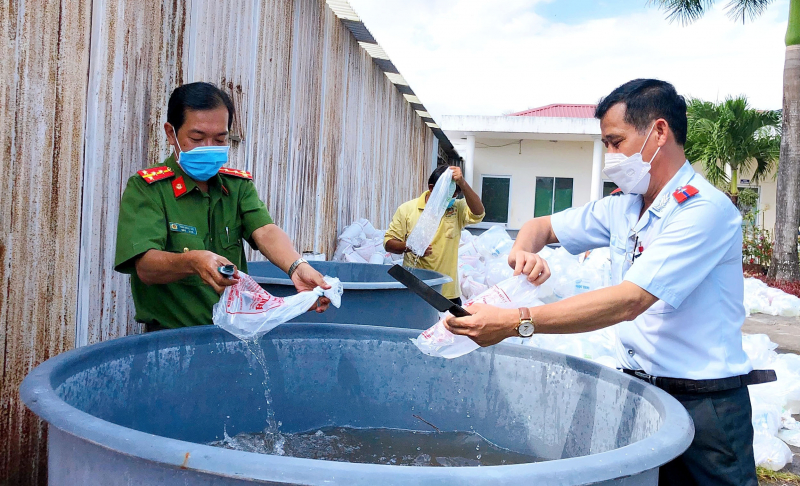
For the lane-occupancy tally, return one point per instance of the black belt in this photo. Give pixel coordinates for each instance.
(678, 386)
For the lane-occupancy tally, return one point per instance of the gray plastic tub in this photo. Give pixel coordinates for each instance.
(371, 296)
(137, 410)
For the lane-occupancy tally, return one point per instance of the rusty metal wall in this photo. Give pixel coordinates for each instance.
(327, 136)
(44, 56)
(137, 58)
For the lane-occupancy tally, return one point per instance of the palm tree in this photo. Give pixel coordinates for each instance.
(729, 137)
(787, 207)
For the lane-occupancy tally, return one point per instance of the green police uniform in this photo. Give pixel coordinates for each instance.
(163, 209)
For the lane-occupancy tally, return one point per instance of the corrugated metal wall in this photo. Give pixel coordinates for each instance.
(44, 54)
(136, 61)
(83, 97)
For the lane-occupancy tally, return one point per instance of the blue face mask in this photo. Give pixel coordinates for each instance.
(202, 163)
(451, 203)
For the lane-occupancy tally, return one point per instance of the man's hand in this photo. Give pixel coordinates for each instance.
(458, 175)
(531, 264)
(305, 278)
(428, 251)
(206, 265)
(487, 325)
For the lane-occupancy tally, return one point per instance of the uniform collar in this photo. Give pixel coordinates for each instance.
(664, 200)
(188, 181)
(421, 202)
(680, 179)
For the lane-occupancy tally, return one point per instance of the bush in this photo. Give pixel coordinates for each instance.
(787, 286)
(756, 246)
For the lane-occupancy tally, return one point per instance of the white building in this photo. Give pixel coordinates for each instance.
(544, 160)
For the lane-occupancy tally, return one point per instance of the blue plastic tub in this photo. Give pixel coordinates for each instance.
(138, 410)
(371, 296)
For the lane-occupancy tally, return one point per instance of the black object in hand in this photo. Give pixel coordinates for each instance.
(228, 270)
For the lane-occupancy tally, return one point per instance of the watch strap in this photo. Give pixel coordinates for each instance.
(294, 266)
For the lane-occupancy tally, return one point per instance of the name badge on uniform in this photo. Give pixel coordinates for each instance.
(182, 228)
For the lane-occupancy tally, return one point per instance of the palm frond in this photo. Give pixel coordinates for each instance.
(684, 11)
(746, 9)
(731, 134)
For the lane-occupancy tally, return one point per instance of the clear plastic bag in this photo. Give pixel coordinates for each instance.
(497, 270)
(493, 242)
(248, 312)
(760, 349)
(515, 292)
(771, 452)
(425, 230)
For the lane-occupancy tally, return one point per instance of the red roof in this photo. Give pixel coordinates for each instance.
(560, 110)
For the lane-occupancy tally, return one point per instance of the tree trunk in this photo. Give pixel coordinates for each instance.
(787, 218)
(733, 188)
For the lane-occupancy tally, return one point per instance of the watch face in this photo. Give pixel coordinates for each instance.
(526, 329)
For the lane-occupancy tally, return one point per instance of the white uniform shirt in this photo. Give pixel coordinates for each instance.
(691, 261)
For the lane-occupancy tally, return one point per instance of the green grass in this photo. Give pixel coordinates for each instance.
(767, 477)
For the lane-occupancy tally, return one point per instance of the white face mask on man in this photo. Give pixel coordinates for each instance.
(631, 174)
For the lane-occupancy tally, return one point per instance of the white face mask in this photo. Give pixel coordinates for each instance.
(631, 174)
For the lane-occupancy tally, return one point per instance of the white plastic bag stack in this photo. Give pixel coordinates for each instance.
(515, 292)
(597, 346)
(761, 298)
(425, 230)
(483, 260)
(248, 312)
(362, 243)
(773, 403)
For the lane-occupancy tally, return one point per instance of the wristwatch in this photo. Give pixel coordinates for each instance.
(294, 266)
(525, 327)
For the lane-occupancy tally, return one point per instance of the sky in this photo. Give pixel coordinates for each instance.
(494, 57)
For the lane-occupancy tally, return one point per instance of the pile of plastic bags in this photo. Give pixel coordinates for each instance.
(761, 298)
(362, 243)
(483, 260)
(774, 403)
(483, 263)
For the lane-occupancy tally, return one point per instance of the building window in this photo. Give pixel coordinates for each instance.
(608, 188)
(495, 195)
(553, 194)
(744, 209)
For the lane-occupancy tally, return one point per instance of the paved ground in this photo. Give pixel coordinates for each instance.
(785, 331)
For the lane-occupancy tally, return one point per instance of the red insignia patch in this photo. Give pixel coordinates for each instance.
(684, 193)
(236, 173)
(154, 174)
(179, 187)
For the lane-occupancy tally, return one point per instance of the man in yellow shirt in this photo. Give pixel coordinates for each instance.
(442, 255)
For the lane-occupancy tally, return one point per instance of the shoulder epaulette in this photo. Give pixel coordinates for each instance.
(154, 174)
(685, 193)
(236, 173)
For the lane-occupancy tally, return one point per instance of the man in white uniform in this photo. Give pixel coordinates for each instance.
(677, 294)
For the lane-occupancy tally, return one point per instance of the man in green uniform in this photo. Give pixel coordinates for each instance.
(182, 221)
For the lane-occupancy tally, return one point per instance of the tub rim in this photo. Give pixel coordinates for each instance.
(391, 285)
(36, 391)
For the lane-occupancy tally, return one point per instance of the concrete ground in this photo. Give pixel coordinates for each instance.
(785, 332)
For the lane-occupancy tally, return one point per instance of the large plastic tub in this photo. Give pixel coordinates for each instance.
(137, 410)
(371, 296)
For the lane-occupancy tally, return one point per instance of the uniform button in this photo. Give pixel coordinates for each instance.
(185, 250)
(631, 352)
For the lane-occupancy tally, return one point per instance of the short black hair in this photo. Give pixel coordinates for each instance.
(196, 96)
(647, 100)
(437, 173)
